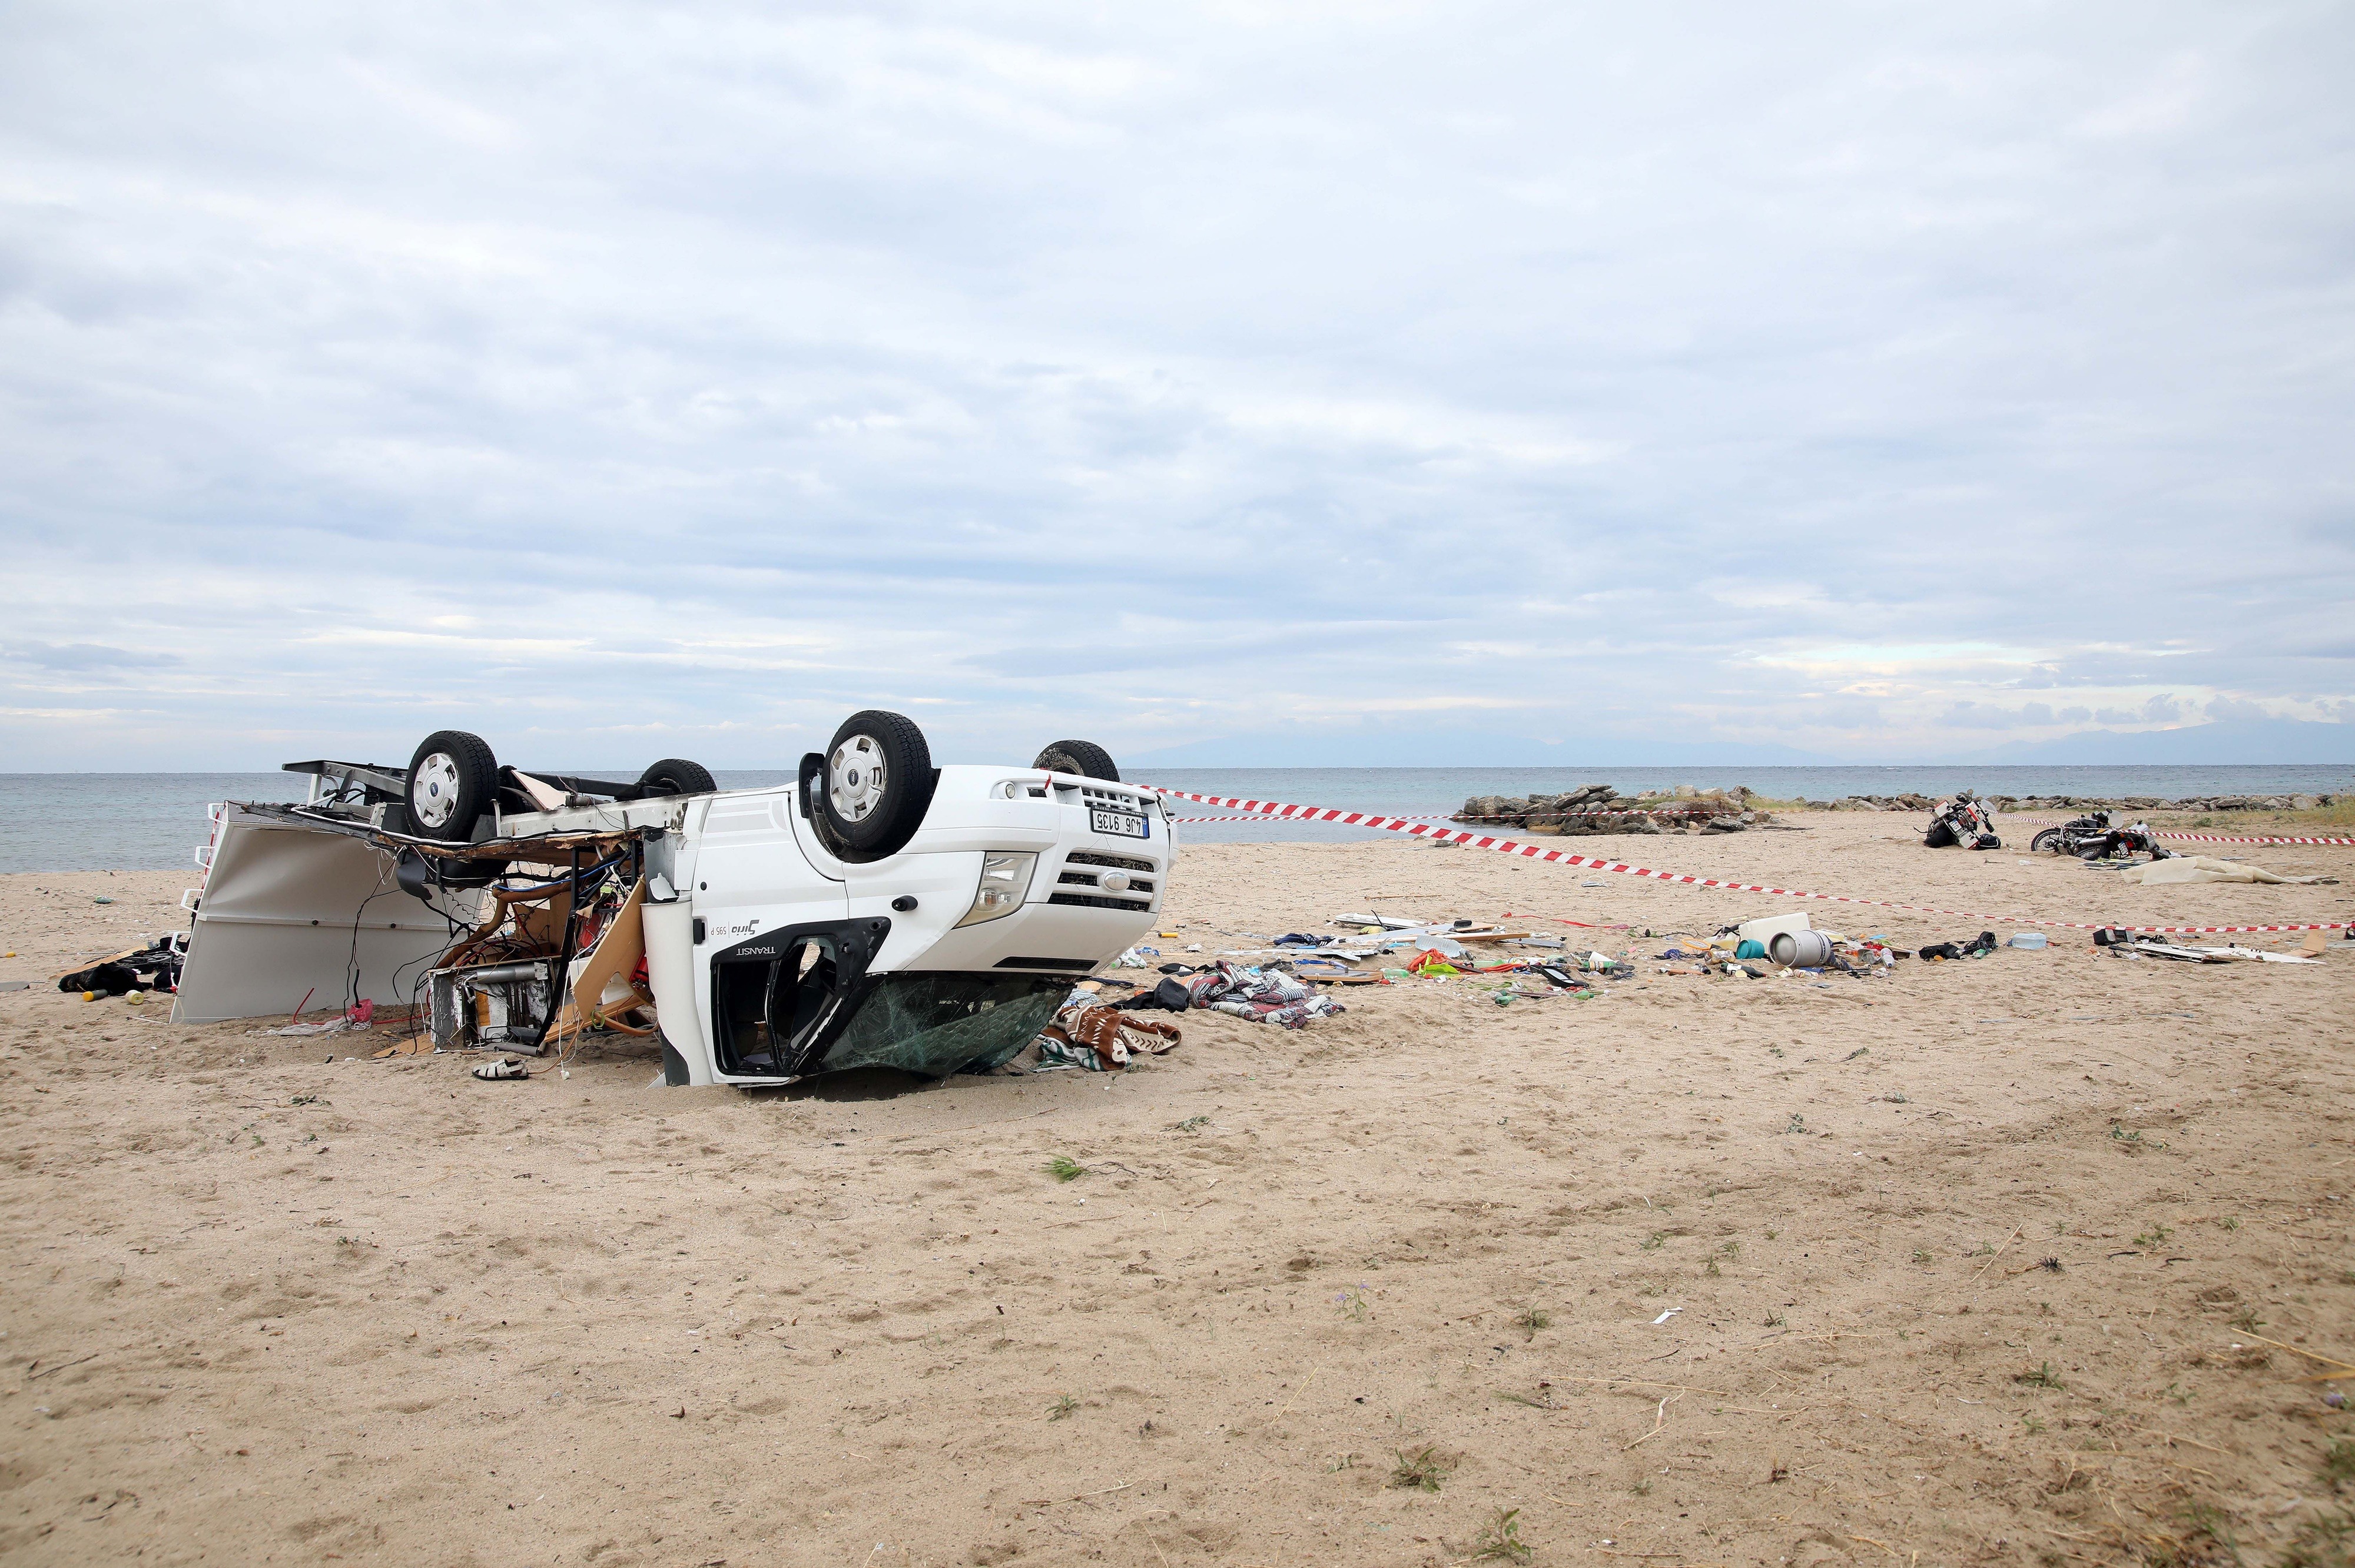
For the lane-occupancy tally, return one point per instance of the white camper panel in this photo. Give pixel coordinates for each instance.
(287, 910)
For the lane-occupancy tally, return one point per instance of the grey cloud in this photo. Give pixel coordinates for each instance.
(2163, 709)
(1991, 716)
(1102, 372)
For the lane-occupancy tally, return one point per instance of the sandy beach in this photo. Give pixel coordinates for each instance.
(2031, 1259)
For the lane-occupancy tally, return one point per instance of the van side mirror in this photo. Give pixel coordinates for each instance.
(813, 768)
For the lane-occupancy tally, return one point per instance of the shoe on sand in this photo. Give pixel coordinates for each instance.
(505, 1067)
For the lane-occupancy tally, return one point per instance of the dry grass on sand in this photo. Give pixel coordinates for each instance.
(2025, 1260)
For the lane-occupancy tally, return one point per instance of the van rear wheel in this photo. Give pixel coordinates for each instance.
(878, 783)
(1084, 758)
(676, 775)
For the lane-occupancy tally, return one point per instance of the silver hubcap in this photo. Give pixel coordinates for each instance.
(855, 778)
(433, 790)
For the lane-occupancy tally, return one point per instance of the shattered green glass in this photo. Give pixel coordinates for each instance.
(943, 1023)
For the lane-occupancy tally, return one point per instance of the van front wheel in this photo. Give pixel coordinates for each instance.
(878, 782)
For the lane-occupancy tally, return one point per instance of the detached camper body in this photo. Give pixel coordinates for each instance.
(745, 929)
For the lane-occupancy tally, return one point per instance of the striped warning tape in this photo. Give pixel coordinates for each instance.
(1240, 816)
(2221, 838)
(1245, 818)
(2199, 838)
(1281, 810)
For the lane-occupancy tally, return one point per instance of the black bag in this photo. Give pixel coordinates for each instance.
(108, 979)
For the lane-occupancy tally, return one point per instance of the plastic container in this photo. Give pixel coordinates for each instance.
(1762, 931)
(2030, 940)
(1800, 949)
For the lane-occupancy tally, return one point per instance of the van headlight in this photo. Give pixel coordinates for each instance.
(1005, 879)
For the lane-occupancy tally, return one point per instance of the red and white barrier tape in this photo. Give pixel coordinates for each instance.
(1279, 810)
(2221, 838)
(2211, 837)
(1239, 816)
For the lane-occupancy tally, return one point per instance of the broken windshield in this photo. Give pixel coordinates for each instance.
(936, 1024)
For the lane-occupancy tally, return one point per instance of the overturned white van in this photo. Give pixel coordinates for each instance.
(877, 911)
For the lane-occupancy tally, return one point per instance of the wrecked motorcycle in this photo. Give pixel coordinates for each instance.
(1964, 820)
(2096, 836)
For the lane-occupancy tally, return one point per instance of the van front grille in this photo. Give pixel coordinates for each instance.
(1096, 900)
(1117, 862)
(1137, 885)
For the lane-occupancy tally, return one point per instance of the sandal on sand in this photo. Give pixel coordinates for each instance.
(505, 1067)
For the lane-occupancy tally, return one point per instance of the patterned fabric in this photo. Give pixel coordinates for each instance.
(1100, 1038)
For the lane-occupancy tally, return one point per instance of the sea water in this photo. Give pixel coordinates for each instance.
(123, 822)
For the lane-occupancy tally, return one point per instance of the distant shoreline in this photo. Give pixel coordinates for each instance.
(56, 823)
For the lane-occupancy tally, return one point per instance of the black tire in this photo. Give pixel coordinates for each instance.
(1941, 834)
(1084, 758)
(878, 783)
(452, 781)
(2048, 839)
(674, 775)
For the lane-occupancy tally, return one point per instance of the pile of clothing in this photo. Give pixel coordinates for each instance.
(1087, 1034)
(1978, 946)
(1269, 996)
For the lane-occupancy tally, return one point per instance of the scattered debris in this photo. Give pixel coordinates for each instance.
(154, 967)
(2122, 944)
(1263, 994)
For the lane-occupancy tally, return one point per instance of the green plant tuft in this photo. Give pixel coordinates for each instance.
(2043, 1376)
(1499, 1539)
(1422, 1469)
(2326, 1541)
(2338, 1462)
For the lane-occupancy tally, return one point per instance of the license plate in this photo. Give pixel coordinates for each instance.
(1119, 822)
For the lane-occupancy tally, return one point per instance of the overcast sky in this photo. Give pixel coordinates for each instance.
(1885, 381)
